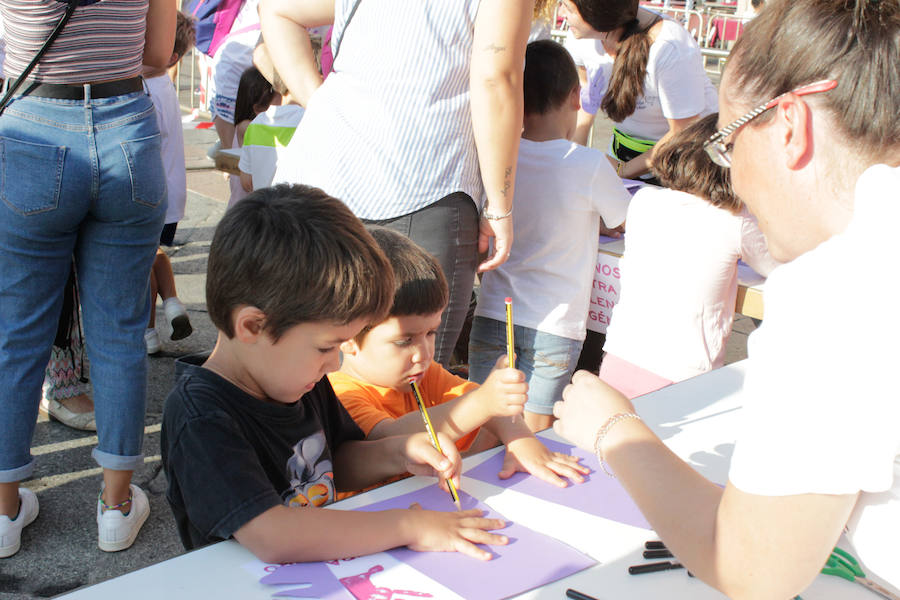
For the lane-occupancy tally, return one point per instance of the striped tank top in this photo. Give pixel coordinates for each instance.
(103, 41)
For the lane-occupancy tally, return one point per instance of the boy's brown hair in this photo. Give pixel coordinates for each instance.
(682, 164)
(298, 255)
(420, 287)
(185, 34)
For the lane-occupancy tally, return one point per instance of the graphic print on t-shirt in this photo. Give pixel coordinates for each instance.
(311, 474)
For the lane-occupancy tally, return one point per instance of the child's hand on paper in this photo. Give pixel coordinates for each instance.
(455, 531)
(423, 459)
(505, 391)
(587, 404)
(529, 455)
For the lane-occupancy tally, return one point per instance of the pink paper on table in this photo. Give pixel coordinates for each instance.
(599, 495)
(529, 560)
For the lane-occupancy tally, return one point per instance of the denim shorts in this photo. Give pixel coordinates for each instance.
(547, 360)
(83, 178)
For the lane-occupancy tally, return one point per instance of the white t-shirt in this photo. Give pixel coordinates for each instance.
(679, 282)
(822, 406)
(562, 190)
(265, 141)
(168, 114)
(676, 85)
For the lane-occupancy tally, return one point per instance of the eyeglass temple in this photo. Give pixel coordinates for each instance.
(812, 88)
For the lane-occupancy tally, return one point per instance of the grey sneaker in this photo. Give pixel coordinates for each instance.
(11, 529)
(116, 531)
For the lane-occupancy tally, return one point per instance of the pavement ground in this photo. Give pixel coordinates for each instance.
(59, 550)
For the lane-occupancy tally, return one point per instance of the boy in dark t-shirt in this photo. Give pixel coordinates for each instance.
(254, 439)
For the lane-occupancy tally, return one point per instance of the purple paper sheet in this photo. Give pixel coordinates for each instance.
(605, 239)
(325, 585)
(529, 560)
(598, 495)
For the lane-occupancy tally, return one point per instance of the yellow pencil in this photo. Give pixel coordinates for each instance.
(510, 340)
(434, 438)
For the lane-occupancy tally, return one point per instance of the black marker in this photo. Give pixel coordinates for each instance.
(657, 553)
(654, 567)
(576, 595)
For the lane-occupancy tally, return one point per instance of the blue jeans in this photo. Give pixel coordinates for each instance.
(448, 230)
(82, 177)
(547, 360)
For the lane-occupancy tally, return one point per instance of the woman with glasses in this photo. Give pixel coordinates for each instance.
(642, 71)
(808, 110)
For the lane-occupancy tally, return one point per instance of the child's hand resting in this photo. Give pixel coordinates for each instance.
(505, 391)
(529, 455)
(434, 531)
(423, 459)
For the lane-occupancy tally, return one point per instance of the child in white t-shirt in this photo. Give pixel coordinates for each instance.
(255, 95)
(679, 271)
(562, 190)
(269, 133)
(168, 114)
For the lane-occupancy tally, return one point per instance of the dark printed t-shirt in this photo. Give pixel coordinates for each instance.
(229, 457)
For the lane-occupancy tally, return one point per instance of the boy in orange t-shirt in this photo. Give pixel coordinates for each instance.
(378, 365)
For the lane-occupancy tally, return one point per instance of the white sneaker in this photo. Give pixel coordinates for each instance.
(151, 339)
(116, 531)
(11, 529)
(178, 318)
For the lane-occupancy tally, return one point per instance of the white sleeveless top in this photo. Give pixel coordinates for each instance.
(390, 130)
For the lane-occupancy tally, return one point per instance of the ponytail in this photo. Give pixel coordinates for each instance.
(626, 83)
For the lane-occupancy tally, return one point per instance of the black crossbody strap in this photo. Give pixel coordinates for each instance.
(70, 10)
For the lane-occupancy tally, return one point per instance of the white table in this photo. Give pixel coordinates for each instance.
(696, 418)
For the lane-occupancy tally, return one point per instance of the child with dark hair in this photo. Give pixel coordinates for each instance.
(683, 246)
(267, 136)
(254, 96)
(253, 439)
(378, 365)
(562, 191)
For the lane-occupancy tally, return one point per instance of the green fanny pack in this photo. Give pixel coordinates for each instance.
(632, 143)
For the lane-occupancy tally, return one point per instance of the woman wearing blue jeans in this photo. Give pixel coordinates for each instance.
(80, 173)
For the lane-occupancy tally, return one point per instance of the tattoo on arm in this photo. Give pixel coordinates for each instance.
(506, 182)
(495, 48)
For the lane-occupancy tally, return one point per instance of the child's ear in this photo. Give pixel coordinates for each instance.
(575, 97)
(350, 347)
(173, 59)
(248, 324)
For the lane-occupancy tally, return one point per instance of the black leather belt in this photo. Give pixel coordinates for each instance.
(65, 91)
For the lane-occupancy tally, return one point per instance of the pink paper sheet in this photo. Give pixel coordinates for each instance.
(529, 560)
(599, 495)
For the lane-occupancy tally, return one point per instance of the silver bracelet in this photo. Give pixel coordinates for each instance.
(491, 217)
(603, 431)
